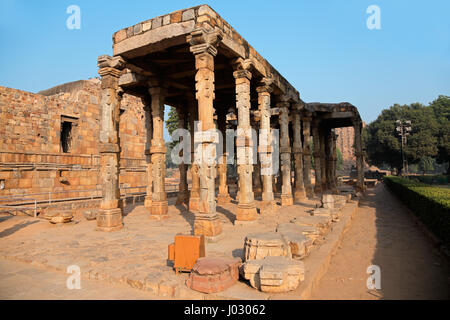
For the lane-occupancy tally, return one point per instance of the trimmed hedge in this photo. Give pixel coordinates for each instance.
(431, 204)
(436, 179)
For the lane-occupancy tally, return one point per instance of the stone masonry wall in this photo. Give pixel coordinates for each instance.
(345, 142)
(31, 156)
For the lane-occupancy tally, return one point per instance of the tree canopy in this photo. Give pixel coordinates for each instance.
(429, 138)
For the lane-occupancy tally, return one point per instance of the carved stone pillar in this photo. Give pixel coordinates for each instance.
(223, 196)
(183, 192)
(357, 126)
(285, 151)
(268, 204)
(158, 155)
(333, 163)
(149, 132)
(323, 163)
(110, 214)
(299, 193)
(306, 120)
(203, 46)
(194, 194)
(246, 209)
(317, 160)
(257, 185)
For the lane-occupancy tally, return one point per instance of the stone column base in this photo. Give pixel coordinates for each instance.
(109, 220)
(287, 200)
(246, 212)
(269, 207)
(148, 202)
(299, 195)
(208, 225)
(194, 204)
(223, 198)
(159, 210)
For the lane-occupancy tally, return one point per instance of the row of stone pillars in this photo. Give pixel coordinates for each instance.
(201, 199)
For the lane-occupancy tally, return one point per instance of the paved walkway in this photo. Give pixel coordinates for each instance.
(384, 234)
(24, 281)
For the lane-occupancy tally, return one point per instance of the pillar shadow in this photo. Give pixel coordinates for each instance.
(227, 213)
(5, 218)
(238, 253)
(189, 217)
(16, 227)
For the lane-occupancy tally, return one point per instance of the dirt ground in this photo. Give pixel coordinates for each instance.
(384, 234)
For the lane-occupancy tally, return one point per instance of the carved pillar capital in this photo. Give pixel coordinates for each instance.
(265, 85)
(203, 41)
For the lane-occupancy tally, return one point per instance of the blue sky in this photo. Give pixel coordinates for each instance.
(323, 48)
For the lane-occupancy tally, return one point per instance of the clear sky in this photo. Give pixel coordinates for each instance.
(323, 48)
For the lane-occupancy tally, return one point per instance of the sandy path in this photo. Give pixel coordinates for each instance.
(384, 234)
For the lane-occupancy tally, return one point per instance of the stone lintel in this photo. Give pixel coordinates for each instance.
(109, 148)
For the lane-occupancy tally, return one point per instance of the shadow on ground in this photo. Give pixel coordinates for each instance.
(16, 227)
(411, 267)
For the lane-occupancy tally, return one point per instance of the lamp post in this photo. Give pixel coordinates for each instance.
(403, 128)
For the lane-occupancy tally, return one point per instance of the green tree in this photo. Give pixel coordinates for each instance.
(383, 146)
(441, 110)
(340, 159)
(172, 120)
(426, 164)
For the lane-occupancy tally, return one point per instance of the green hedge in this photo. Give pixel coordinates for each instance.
(431, 204)
(436, 179)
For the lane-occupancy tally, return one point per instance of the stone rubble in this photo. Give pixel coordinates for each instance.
(261, 245)
(210, 275)
(274, 274)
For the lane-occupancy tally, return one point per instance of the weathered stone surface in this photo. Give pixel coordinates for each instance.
(327, 212)
(261, 245)
(188, 15)
(322, 223)
(274, 274)
(327, 201)
(90, 214)
(58, 216)
(211, 275)
(300, 243)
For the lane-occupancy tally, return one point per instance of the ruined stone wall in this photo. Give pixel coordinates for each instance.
(345, 142)
(31, 156)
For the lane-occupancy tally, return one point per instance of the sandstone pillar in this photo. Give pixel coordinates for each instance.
(268, 204)
(357, 126)
(110, 214)
(158, 155)
(333, 163)
(317, 160)
(299, 193)
(285, 151)
(223, 196)
(146, 101)
(246, 209)
(306, 120)
(203, 46)
(194, 194)
(322, 136)
(257, 185)
(183, 192)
